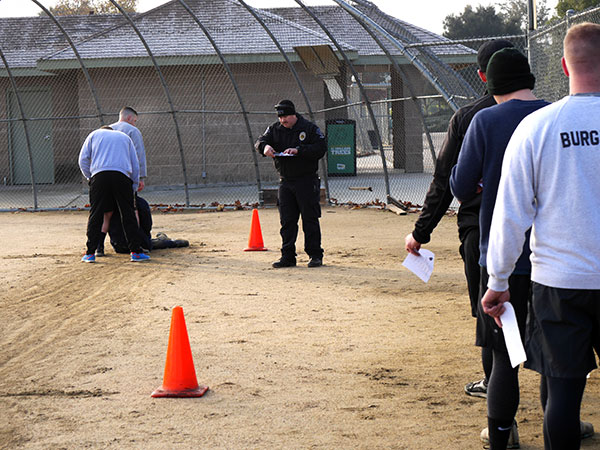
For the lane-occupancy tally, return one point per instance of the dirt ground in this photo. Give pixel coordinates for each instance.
(359, 353)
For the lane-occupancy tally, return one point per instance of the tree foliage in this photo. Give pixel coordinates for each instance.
(517, 10)
(578, 5)
(483, 21)
(85, 7)
(509, 19)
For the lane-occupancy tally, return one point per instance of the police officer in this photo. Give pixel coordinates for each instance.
(296, 145)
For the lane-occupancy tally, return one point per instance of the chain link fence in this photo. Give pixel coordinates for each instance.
(204, 76)
(545, 46)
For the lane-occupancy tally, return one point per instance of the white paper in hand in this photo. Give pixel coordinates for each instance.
(422, 265)
(512, 337)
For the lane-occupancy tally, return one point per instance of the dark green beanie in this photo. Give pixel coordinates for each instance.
(508, 71)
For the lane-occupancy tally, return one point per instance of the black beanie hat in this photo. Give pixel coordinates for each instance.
(508, 71)
(486, 51)
(285, 108)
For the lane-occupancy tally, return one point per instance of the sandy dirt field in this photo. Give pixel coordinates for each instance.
(356, 354)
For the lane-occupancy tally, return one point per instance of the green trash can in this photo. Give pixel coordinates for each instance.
(341, 147)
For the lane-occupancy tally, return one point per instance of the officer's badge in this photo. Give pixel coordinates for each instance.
(302, 135)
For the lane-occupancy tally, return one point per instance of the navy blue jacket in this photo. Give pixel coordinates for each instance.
(439, 196)
(480, 161)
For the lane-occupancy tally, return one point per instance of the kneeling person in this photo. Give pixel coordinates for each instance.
(119, 241)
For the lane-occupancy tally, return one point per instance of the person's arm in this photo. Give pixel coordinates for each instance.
(85, 158)
(138, 141)
(135, 165)
(466, 175)
(438, 198)
(263, 144)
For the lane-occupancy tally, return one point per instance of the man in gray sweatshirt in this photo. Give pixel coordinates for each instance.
(109, 162)
(550, 183)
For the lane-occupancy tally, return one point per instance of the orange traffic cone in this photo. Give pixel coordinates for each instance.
(255, 241)
(180, 376)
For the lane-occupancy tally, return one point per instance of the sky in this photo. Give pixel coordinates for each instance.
(428, 14)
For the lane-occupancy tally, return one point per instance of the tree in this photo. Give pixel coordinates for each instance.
(517, 10)
(483, 21)
(578, 5)
(487, 21)
(85, 7)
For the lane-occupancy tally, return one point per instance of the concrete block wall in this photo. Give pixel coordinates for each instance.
(217, 147)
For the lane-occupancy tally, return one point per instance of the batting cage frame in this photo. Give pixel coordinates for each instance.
(204, 76)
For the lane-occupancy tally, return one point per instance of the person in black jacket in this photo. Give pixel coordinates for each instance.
(439, 197)
(296, 145)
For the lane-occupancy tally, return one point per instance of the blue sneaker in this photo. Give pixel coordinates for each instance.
(89, 258)
(139, 257)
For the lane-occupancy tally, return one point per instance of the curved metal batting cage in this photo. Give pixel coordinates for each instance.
(204, 76)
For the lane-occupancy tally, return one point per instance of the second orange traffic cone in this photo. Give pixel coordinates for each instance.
(180, 376)
(255, 241)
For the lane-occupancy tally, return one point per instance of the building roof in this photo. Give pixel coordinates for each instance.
(172, 33)
(170, 30)
(24, 40)
(347, 29)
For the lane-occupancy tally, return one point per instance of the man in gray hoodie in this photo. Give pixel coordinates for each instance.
(109, 162)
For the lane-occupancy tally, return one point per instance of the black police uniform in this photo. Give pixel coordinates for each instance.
(299, 186)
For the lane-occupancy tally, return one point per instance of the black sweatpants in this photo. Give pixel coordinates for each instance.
(503, 386)
(469, 252)
(300, 197)
(106, 188)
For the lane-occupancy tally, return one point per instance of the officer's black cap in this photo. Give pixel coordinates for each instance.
(285, 108)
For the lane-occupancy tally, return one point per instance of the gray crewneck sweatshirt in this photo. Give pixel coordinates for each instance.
(551, 179)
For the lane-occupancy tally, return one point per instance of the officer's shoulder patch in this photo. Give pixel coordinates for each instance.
(302, 135)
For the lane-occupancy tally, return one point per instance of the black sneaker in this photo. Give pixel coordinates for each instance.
(477, 388)
(284, 263)
(315, 262)
(100, 249)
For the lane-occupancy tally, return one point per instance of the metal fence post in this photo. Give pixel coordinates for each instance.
(235, 87)
(25, 129)
(362, 91)
(167, 94)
